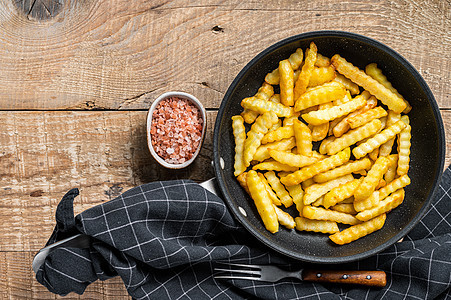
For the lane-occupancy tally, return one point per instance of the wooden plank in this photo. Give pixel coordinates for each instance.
(18, 282)
(44, 154)
(121, 54)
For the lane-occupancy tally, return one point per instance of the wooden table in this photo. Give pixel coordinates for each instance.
(77, 78)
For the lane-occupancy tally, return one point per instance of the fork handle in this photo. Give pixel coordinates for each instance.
(368, 278)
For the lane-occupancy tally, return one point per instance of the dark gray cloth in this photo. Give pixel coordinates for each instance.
(163, 239)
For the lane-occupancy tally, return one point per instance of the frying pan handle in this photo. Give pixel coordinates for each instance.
(211, 185)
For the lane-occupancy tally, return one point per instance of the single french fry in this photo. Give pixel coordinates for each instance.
(262, 152)
(322, 61)
(315, 191)
(353, 136)
(321, 75)
(280, 190)
(263, 203)
(272, 165)
(319, 213)
(319, 132)
(284, 132)
(370, 181)
(240, 136)
(242, 180)
(373, 71)
(263, 106)
(404, 148)
(347, 208)
(325, 115)
(295, 60)
(320, 94)
(285, 218)
(378, 139)
(264, 92)
(384, 206)
(297, 194)
(304, 224)
(348, 168)
(363, 118)
(341, 192)
(286, 83)
(324, 143)
(303, 138)
(387, 97)
(343, 126)
(290, 159)
(306, 72)
(272, 195)
(255, 135)
(391, 172)
(386, 148)
(357, 231)
(348, 84)
(318, 167)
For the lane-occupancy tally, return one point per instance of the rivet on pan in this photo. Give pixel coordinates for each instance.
(368, 277)
(345, 276)
(221, 162)
(318, 275)
(242, 211)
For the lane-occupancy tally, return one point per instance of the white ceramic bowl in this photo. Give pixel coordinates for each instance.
(193, 100)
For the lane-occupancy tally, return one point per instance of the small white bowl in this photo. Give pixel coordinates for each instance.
(193, 100)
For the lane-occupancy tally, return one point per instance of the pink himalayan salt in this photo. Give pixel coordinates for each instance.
(176, 130)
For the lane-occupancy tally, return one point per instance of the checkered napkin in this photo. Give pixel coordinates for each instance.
(163, 240)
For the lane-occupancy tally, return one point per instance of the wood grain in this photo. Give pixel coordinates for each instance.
(121, 55)
(40, 9)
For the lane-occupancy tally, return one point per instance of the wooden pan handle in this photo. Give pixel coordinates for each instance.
(369, 278)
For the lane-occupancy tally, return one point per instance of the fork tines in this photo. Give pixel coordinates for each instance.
(253, 270)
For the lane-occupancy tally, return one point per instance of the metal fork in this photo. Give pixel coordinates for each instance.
(271, 273)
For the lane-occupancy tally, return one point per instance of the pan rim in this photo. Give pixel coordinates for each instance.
(437, 119)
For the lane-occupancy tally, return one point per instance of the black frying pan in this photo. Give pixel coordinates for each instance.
(427, 157)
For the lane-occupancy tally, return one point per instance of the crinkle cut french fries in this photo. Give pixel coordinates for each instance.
(324, 142)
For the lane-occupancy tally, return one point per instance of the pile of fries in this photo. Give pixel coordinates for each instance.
(353, 117)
